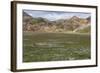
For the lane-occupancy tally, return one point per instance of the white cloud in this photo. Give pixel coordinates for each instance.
(51, 15)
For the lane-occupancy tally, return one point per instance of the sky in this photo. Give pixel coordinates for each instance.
(55, 15)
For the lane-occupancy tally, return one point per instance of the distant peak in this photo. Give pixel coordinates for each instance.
(75, 17)
(89, 18)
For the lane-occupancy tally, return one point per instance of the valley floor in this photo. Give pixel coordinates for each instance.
(55, 46)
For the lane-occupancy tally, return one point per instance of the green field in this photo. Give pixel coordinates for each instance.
(55, 46)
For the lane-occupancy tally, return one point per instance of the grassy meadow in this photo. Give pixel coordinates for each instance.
(39, 47)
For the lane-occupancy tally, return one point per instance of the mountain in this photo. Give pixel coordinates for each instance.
(26, 17)
(75, 18)
(26, 20)
(73, 23)
(39, 24)
(89, 19)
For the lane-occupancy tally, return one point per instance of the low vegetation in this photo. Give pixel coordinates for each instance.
(55, 46)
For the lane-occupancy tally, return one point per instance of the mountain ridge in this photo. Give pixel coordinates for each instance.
(40, 24)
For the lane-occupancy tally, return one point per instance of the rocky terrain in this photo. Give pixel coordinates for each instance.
(73, 24)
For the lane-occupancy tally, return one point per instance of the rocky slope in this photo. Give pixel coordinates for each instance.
(74, 24)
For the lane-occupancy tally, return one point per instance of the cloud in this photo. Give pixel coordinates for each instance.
(54, 15)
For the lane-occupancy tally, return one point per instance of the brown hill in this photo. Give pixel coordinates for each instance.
(62, 25)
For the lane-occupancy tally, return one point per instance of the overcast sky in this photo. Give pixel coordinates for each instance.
(55, 15)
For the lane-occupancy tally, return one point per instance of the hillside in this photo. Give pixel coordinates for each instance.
(40, 24)
(85, 30)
